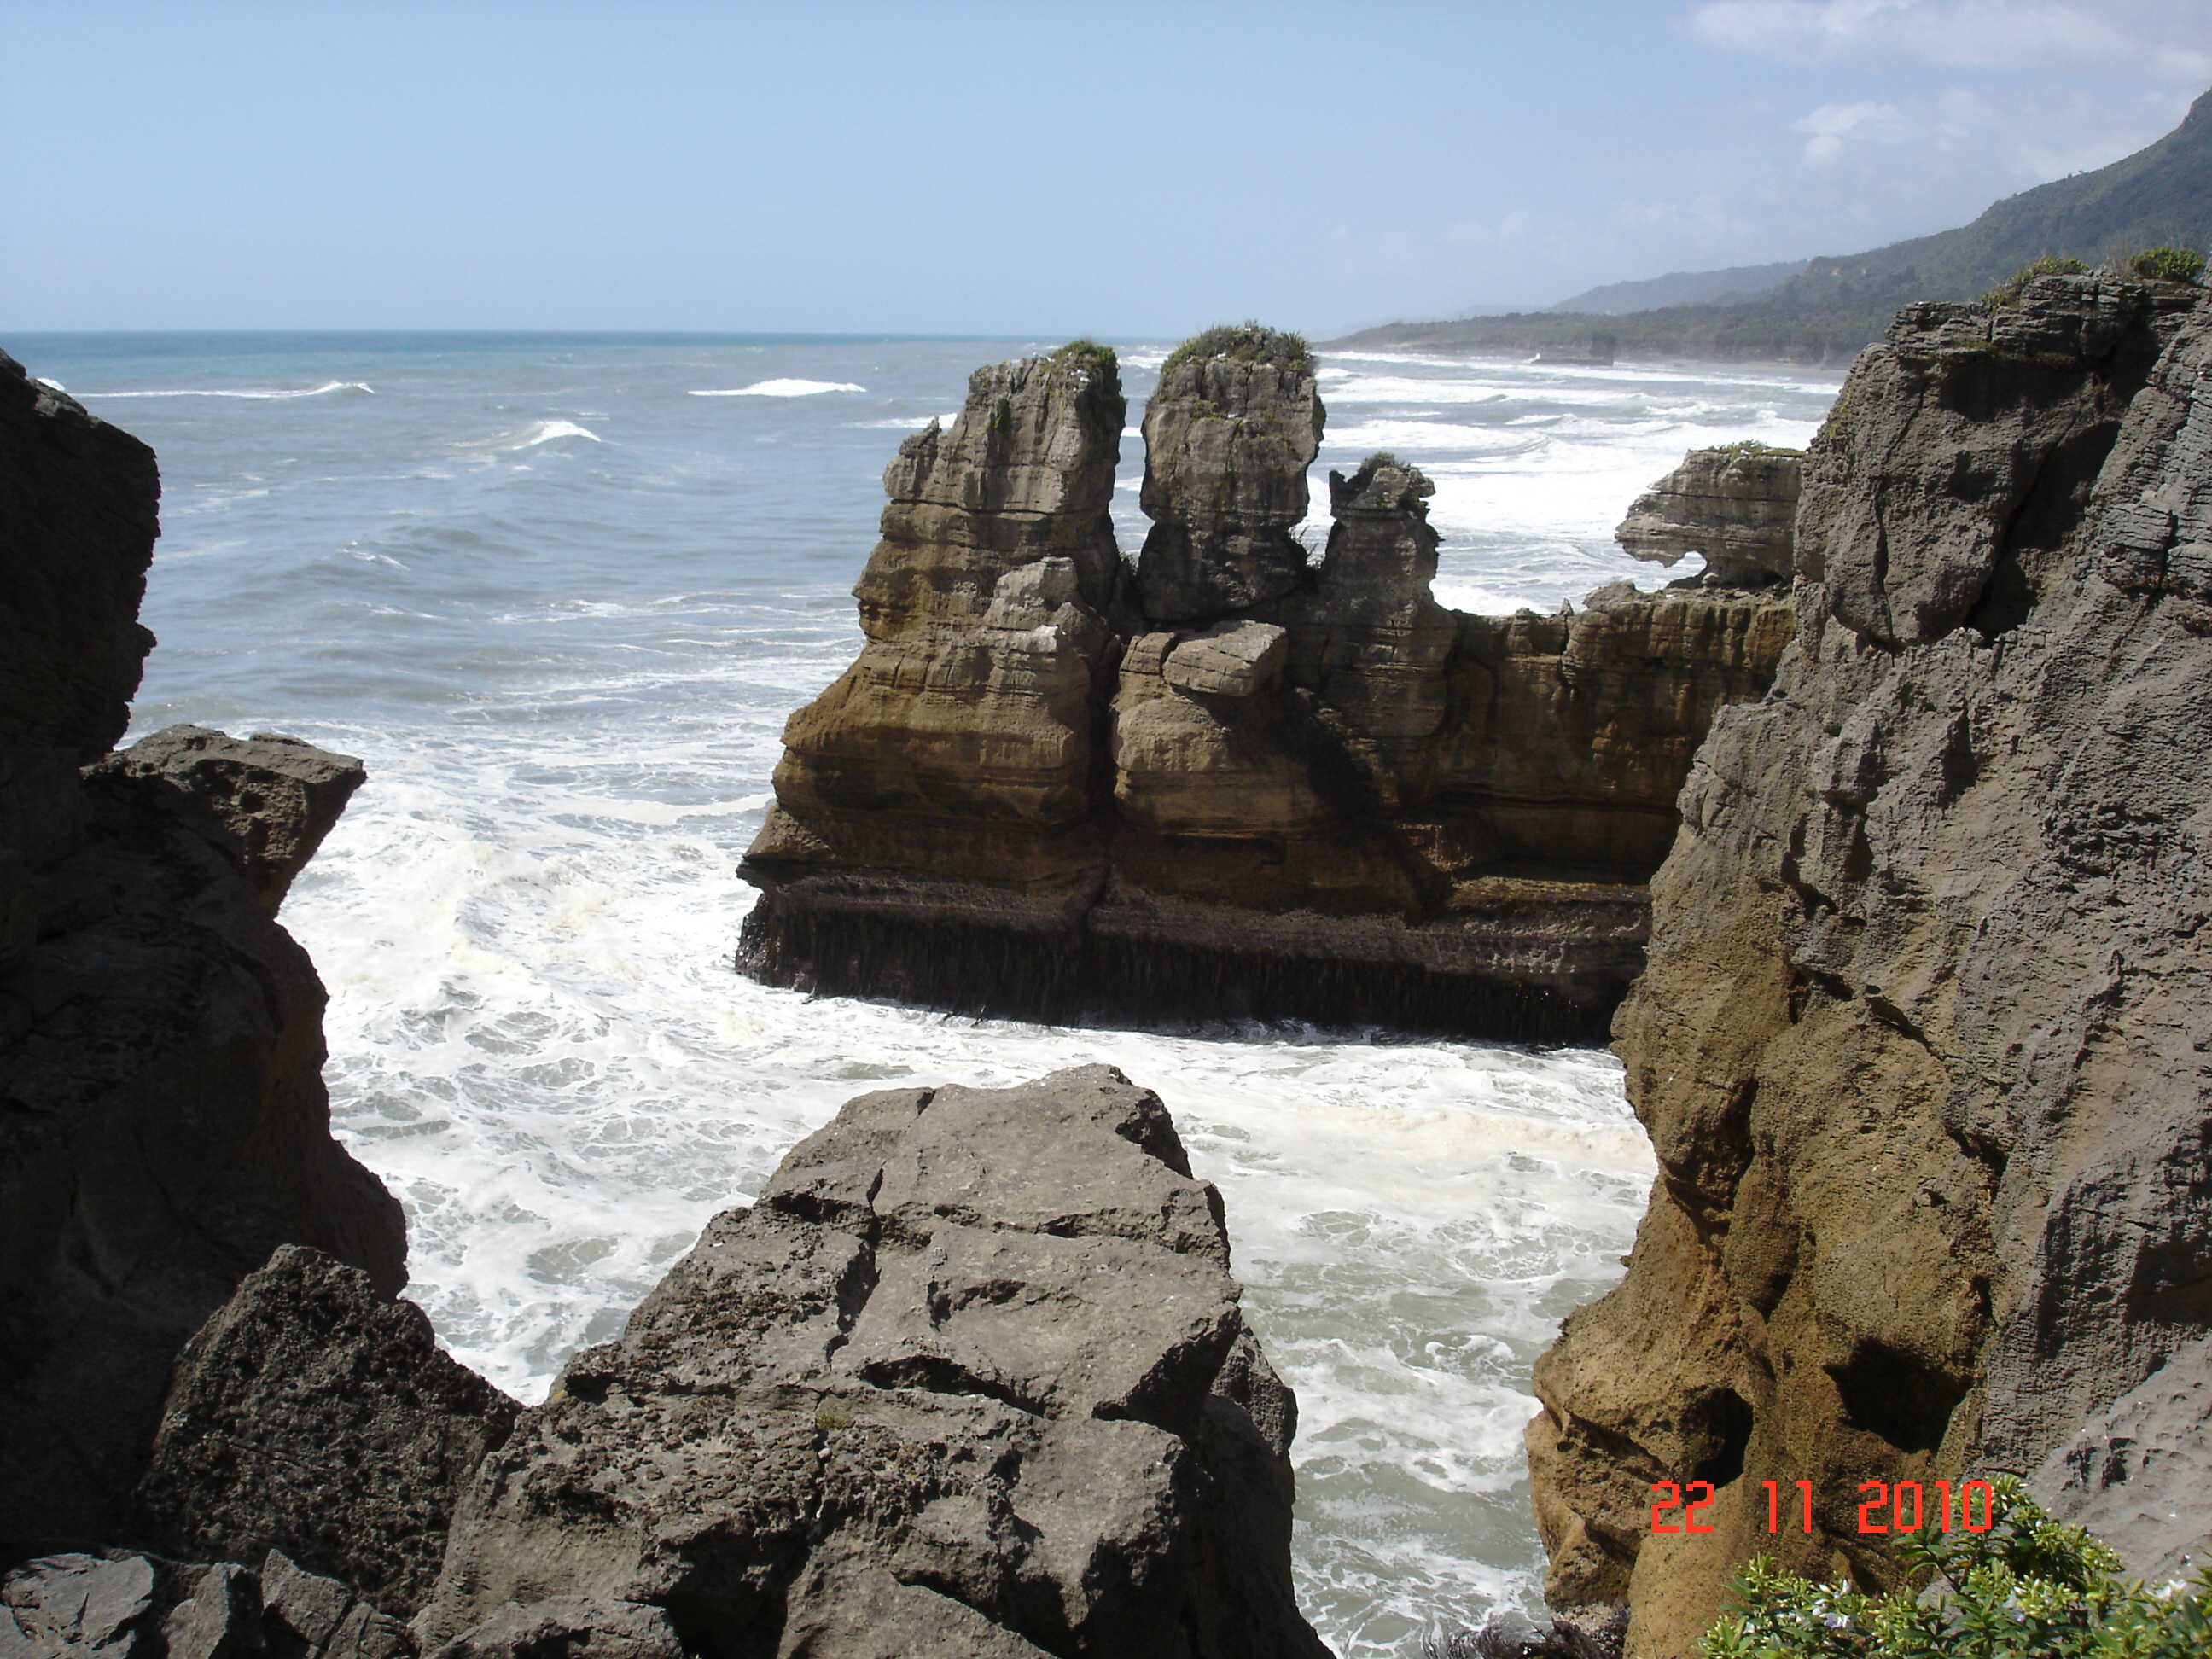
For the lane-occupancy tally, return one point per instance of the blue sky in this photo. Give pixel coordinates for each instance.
(1124, 169)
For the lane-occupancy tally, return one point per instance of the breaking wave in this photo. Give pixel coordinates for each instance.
(782, 389)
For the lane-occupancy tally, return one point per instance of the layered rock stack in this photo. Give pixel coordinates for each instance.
(1235, 782)
(1925, 1042)
(1736, 504)
(163, 1124)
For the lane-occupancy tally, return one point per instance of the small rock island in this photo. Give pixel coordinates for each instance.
(1226, 778)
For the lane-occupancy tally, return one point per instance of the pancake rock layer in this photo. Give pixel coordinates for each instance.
(1231, 780)
(1925, 1042)
(1736, 504)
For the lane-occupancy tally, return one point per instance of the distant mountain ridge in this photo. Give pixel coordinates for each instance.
(1682, 288)
(2160, 196)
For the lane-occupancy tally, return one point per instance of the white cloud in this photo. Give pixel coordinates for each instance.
(1981, 34)
(1832, 128)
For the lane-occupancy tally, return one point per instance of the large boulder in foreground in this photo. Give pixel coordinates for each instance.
(970, 1378)
(1924, 1045)
(163, 1122)
(313, 1416)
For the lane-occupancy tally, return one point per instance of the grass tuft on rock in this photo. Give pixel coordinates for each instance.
(2006, 295)
(1087, 356)
(1243, 342)
(2163, 264)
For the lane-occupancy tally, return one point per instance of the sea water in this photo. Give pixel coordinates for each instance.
(561, 593)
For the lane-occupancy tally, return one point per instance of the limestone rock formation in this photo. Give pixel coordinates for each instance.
(1245, 784)
(974, 702)
(279, 796)
(969, 1378)
(1925, 1042)
(1736, 504)
(163, 1124)
(312, 1416)
(1228, 437)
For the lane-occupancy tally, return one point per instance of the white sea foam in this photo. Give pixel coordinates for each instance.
(1141, 359)
(546, 432)
(782, 388)
(281, 393)
(905, 423)
(56, 385)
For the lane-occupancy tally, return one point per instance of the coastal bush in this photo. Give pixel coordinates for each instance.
(2028, 1588)
(2164, 264)
(1751, 447)
(1085, 353)
(2006, 295)
(1243, 342)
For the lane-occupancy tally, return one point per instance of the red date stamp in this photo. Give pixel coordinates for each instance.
(1903, 1506)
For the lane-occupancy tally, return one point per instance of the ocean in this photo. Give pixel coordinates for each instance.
(561, 593)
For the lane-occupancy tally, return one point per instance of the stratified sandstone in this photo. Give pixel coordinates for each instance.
(163, 1124)
(313, 1416)
(1736, 505)
(1246, 783)
(970, 1378)
(1925, 1043)
(1228, 437)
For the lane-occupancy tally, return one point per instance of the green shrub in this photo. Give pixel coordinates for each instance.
(2164, 264)
(2005, 296)
(1086, 354)
(2029, 1587)
(1244, 342)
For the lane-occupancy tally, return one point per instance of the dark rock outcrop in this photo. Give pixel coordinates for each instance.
(969, 1378)
(132, 1605)
(1925, 1042)
(277, 795)
(163, 1124)
(1242, 784)
(314, 1416)
(1736, 505)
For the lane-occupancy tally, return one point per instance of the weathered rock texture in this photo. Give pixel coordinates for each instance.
(132, 1605)
(313, 1416)
(1736, 505)
(1925, 1042)
(970, 1378)
(1241, 783)
(163, 1125)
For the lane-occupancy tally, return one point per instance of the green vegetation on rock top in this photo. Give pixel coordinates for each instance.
(1243, 342)
(1087, 354)
(2165, 265)
(2028, 1588)
(2006, 294)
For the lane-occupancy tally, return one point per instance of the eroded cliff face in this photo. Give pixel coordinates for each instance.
(163, 1124)
(1232, 780)
(1923, 1044)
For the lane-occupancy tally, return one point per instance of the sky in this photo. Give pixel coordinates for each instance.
(1126, 170)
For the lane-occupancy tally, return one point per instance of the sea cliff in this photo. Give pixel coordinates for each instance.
(1228, 778)
(1923, 1042)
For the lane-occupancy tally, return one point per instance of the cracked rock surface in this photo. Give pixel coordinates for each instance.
(970, 1377)
(1924, 1045)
